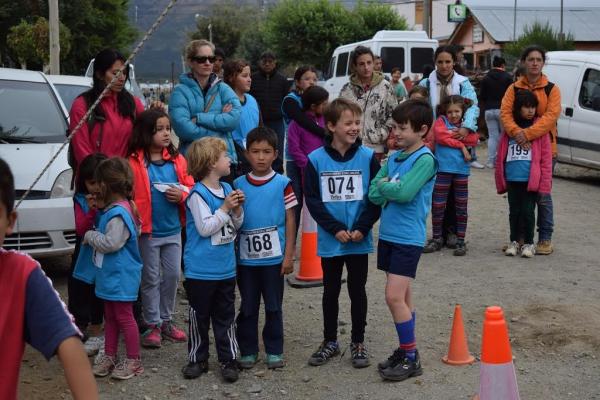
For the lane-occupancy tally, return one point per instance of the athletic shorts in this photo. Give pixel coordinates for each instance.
(398, 259)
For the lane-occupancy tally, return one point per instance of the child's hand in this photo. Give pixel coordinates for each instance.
(343, 236)
(287, 267)
(91, 201)
(356, 236)
(466, 154)
(241, 196)
(174, 195)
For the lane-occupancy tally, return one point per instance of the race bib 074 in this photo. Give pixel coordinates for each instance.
(517, 153)
(224, 235)
(341, 186)
(260, 243)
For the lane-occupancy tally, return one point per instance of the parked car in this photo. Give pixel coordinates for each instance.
(407, 50)
(33, 124)
(130, 85)
(577, 74)
(69, 87)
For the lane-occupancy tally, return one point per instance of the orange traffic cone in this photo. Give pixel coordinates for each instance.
(498, 380)
(458, 351)
(311, 273)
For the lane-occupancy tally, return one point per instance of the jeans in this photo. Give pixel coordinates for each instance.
(492, 119)
(545, 220)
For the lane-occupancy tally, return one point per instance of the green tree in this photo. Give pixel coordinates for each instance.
(372, 17)
(540, 34)
(252, 44)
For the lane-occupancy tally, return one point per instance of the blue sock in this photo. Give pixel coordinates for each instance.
(406, 336)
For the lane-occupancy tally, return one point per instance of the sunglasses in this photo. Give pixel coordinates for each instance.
(203, 59)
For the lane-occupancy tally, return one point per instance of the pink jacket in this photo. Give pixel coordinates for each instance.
(540, 173)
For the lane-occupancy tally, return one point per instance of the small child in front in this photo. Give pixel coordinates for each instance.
(213, 216)
(266, 249)
(403, 187)
(336, 183)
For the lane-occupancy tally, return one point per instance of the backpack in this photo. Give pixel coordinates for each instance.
(547, 89)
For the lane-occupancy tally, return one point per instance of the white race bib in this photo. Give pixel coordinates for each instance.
(260, 243)
(98, 258)
(517, 153)
(341, 186)
(224, 235)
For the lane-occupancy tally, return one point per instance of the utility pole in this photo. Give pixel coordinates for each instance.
(427, 17)
(561, 35)
(210, 32)
(515, 22)
(54, 37)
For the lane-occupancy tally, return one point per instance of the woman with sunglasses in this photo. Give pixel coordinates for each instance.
(202, 104)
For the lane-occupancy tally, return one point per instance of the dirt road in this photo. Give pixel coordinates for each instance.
(552, 305)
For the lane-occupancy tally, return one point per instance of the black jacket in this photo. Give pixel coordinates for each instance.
(493, 86)
(269, 91)
(312, 194)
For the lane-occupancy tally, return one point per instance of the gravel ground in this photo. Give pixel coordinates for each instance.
(551, 304)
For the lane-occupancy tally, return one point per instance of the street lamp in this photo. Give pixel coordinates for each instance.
(209, 27)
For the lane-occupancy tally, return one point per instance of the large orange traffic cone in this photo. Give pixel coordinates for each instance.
(498, 380)
(458, 350)
(311, 273)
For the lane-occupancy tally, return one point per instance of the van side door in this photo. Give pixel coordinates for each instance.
(585, 121)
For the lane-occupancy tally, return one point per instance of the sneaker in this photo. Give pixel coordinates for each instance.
(275, 361)
(544, 248)
(392, 360)
(324, 353)
(490, 165)
(103, 364)
(247, 362)
(461, 249)
(93, 345)
(512, 249)
(171, 332)
(528, 251)
(477, 164)
(194, 369)
(229, 371)
(402, 368)
(433, 245)
(151, 337)
(127, 369)
(451, 240)
(360, 357)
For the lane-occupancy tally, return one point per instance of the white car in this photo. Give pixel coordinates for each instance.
(33, 125)
(131, 84)
(69, 87)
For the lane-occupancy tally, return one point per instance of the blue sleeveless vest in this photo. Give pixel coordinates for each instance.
(262, 235)
(202, 259)
(451, 160)
(119, 277)
(405, 223)
(85, 270)
(339, 179)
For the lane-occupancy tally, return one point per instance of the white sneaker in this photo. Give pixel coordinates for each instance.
(528, 250)
(512, 249)
(93, 345)
(476, 164)
(489, 165)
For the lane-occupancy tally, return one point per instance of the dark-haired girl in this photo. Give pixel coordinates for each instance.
(161, 185)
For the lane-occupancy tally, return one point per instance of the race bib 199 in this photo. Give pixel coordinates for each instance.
(341, 186)
(224, 235)
(517, 153)
(260, 243)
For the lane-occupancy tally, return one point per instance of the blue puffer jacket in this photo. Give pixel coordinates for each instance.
(188, 101)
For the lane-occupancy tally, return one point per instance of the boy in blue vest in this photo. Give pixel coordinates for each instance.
(266, 249)
(403, 187)
(213, 215)
(336, 183)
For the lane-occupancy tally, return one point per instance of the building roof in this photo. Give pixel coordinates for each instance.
(581, 22)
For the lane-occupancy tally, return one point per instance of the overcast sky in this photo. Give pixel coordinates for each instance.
(534, 3)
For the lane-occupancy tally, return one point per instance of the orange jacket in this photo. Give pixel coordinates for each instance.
(548, 110)
(141, 186)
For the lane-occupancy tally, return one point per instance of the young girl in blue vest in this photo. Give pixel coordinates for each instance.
(213, 216)
(336, 183)
(160, 187)
(453, 171)
(87, 309)
(403, 188)
(116, 254)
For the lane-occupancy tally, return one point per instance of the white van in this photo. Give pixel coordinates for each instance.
(577, 74)
(407, 50)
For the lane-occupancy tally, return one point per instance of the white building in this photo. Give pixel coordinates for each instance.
(412, 10)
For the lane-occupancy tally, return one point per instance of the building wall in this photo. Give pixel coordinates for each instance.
(413, 13)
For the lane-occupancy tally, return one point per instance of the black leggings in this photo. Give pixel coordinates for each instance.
(83, 304)
(357, 266)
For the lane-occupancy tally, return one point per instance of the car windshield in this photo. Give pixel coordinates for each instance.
(30, 113)
(68, 93)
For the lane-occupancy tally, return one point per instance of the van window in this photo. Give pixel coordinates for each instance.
(392, 57)
(419, 57)
(342, 65)
(589, 95)
(330, 70)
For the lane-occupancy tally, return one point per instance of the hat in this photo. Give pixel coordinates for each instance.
(268, 55)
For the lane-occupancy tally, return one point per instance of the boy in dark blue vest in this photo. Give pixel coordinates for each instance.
(403, 187)
(266, 249)
(336, 183)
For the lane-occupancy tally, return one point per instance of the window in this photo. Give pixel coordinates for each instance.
(589, 95)
(330, 70)
(392, 57)
(342, 65)
(419, 57)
